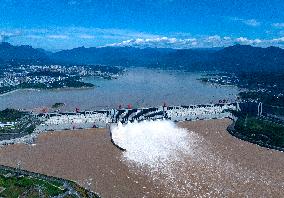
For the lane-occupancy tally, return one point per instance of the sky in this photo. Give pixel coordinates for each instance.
(65, 24)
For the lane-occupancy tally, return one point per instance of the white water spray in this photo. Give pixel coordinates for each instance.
(181, 161)
(153, 143)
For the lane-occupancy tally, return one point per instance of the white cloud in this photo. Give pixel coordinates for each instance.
(106, 33)
(58, 36)
(280, 40)
(70, 37)
(278, 25)
(86, 36)
(201, 42)
(246, 41)
(214, 38)
(160, 42)
(249, 22)
(6, 35)
(35, 36)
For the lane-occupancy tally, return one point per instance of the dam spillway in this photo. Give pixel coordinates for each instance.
(100, 119)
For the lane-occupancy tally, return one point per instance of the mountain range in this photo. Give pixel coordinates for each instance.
(237, 58)
(22, 54)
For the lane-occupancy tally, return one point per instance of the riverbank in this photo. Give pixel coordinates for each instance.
(260, 135)
(218, 164)
(50, 89)
(17, 183)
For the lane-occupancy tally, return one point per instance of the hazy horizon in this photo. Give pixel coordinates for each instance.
(141, 47)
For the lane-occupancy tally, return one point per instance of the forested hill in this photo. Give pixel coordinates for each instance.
(126, 56)
(22, 54)
(237, 58)
(233, 59)
(248, 58)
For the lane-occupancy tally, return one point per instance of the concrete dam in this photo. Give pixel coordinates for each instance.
(100, 119)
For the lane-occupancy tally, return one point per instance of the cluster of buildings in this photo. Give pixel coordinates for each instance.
(47, 74)
(222, 79)
(16, 80)
(7, 124)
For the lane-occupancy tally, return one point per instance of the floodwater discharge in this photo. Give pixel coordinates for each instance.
(190, 159)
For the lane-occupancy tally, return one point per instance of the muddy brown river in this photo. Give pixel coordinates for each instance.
(218, 165)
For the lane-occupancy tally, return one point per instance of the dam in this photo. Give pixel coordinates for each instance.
(60, 121)
(100, 119)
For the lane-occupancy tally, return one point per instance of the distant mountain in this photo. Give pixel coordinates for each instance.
(237, 58)
(23, 53)
(248, 58)
(131, 56)
(188, 59)
(126, 56)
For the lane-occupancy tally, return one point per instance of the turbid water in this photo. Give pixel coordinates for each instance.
(209, 162)
(140, 87)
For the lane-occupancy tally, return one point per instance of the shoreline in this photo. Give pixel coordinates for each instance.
(232, 131)
(69, 183)
(52, 89)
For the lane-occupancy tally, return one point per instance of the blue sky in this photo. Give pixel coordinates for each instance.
(64, 24)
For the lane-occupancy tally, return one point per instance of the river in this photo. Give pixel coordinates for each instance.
(140, 87)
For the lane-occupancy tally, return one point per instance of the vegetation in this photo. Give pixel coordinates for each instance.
(11, 115)
(66, 83)
(265, 87)
(14, 183)
(268, 88)
(24, 123)
(57, 105)
(107, 69)
(81, 191)
(6, 89)
(260, 131)
(69, 82)
(27, 186)
(31, 86)
(272, 81)
(265, 97)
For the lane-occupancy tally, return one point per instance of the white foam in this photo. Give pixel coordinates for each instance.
(180, 160)
(152, 143)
